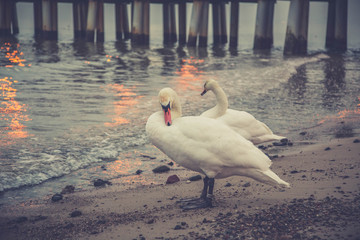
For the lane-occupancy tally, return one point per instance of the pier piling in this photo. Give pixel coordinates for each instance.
(297, 28)
(264, 24)
(8, 18)
(140, 23)
(234, 23)
(91, 21)
(182, 22)
(336, 30)
(122, 21)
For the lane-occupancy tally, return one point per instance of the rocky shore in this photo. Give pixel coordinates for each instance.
(322, 203)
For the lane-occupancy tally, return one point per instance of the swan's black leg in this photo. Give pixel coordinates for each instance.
(205, 188)
(204, 201)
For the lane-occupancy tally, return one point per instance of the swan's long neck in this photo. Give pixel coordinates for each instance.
(222, 101)
(176, 110)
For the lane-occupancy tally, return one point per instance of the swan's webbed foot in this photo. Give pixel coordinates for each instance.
(205, 200)
(196, 203)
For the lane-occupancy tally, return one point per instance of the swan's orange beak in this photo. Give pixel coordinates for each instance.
(203, 93)
(167, 114)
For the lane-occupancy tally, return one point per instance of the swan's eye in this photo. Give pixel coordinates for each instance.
(167, 107)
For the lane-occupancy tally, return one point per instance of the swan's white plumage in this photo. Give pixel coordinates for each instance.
(206, 146)
(242, 122)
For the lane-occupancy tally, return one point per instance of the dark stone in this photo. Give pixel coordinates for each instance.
(294, 171)
(161, 169)
(69, 225)
(100, 183)
(138, 172)
(195, 178)
(327, 149)
(303, 133)
(172, 179)
(279, 144)
(151, 221)
(75, 213)
(39, 218)
(57, 197)
(177, 227)
(102, 221)
(171, 164)
(68, 189)
(147, 156)
(262, 147)
(21, 219)
(228, 185)
(356, 141)
(246, 184)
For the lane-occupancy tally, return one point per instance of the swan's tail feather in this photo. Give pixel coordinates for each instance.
(266, 136)
(268, 177)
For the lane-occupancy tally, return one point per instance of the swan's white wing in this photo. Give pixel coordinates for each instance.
(248, 126)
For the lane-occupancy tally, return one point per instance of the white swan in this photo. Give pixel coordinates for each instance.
(240, 121)
(206, 146)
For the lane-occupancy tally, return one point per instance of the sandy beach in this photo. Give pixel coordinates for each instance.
(323, 202)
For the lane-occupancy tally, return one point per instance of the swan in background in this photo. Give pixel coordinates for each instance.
(242, 122)
(206, 146)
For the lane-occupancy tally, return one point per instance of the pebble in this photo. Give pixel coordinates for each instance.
(161, 169)
(195, 178)
(57, 197)
(75, 213)
(172, 179)
(99, 182)
(68, 189)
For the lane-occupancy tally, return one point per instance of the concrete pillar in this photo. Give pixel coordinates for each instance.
(234, 23)
(336, 31)
(216, 23)
(297, 28)
(140, 23)
(223, 23)
(203, 31)
(37, 18)
(166, 22)
(182, 22)
(91, 21)
(14, 18)
(194, 23)
(264, 24)
(49, 19)
(100, 36)
(173, 36)
(80, 18)
(5, 18)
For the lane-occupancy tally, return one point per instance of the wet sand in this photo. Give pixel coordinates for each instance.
(323, 202)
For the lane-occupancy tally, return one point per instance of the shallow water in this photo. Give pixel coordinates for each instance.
(67, 106)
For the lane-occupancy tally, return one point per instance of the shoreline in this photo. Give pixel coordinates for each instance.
(322, 202)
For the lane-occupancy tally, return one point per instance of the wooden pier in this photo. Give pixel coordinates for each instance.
(88, 17)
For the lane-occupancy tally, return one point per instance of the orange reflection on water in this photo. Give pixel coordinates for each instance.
(189, 74)
(14, 56)
(122, 107)
(344, 113)
(12, 113)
